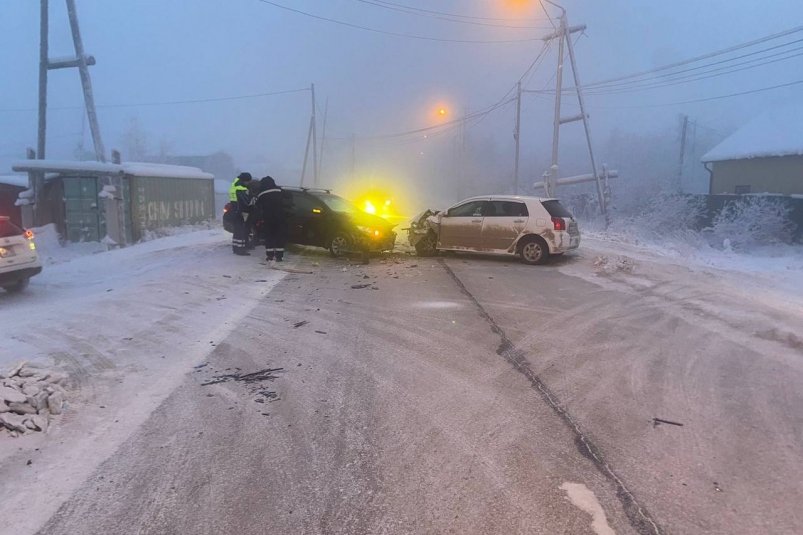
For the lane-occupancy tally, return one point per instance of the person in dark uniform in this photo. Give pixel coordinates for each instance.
(240, 200)
(272, 214)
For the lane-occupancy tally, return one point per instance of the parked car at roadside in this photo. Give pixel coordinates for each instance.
(532, 228)
(18, 258)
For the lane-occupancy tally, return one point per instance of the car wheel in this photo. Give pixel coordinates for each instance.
(534, 251)
(17, 286)
(426, 246)
(339, 245)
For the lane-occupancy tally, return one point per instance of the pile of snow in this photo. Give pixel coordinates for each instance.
(29, 396)
(753, 221)
(53, 251)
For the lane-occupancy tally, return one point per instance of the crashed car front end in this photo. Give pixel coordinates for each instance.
(422, 226)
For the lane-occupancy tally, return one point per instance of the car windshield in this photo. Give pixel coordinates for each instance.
(337, 204)
(8, 229)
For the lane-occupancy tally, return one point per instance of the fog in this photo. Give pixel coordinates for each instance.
(153, 55)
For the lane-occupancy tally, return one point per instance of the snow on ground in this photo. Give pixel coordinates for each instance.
(759, 295)
(126, 324)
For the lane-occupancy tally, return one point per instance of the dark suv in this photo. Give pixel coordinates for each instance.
(319, 218)
(322, 219)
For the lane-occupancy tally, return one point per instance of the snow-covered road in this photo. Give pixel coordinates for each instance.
(126, 325)
(417, 395)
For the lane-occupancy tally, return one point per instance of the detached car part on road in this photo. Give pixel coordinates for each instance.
(18, 258)
(529, 227)
(320, 218)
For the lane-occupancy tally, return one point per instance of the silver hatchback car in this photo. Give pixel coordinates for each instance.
(530, 227)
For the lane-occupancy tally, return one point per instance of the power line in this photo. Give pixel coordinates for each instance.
(699, 58)
(395, 34)
(169, 102)
(714, 73)
(449, 18)
(706, 99)
(429, 11)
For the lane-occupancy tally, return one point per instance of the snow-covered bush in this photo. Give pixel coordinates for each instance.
(667, 216)
(753, 221)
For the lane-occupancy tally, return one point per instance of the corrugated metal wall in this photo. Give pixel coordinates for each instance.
(169, 202)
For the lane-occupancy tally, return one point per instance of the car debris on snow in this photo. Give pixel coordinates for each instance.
(29, 396)
(607, 266)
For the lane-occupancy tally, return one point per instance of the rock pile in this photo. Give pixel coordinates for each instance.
(29, 397)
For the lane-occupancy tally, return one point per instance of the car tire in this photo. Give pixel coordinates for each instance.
(17, 286)
(426, 246)
(340, 244)
(534, 250)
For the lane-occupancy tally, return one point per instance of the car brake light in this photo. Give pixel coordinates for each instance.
(559, 223)
(28, 234)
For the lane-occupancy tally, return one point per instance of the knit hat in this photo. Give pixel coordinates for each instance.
(244, 177)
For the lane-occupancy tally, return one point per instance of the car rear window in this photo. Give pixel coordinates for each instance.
(556, 209)
(8, 229)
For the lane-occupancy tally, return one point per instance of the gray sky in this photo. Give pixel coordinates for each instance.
(157, 50)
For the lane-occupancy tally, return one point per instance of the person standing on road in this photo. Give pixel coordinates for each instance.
(240, 200)
(272, 214)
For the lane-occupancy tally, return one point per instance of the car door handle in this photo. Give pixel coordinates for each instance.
(476, 220)
(518, 221)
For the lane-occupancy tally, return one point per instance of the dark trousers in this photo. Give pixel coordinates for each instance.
(239, 238)
(275, 236)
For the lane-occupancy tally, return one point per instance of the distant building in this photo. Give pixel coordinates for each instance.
(764, 156)
(117, 203)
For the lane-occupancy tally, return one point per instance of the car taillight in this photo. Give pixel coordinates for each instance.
(28, 234)
(559, 223)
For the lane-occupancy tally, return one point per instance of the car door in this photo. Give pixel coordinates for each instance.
(502, 224)
(461, 226)
(305, 221)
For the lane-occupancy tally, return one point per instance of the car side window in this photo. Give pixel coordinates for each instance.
(304, 204)
(507, 209)
(469, 209)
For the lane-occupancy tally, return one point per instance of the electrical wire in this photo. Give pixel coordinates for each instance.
(168, 102)
(697, 59)
(449, 18)
(395, 34)
(706, 99)
(429, 11)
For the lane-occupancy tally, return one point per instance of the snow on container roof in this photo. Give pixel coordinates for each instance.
(775, 133)
(15, 180)
(161, 170)
(67, 166)
(156, 170)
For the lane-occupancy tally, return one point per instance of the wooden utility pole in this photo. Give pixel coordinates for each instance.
(41, 138)
(314, 139)
(516, 136)
(86, 81)
(323, 139)
(684, 128)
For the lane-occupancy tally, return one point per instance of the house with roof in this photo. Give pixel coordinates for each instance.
(764, 156)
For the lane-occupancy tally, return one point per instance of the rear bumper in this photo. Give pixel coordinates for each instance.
(565, 241)
(12, 277)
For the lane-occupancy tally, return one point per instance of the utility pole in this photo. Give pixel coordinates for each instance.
(551, 178)
(323, 138)
(43, 66)
(516, 136)
(314, 139)
(684, 128)
(86, 81)
(46, 64)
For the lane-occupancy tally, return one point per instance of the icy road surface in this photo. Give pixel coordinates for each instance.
(454, 395)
